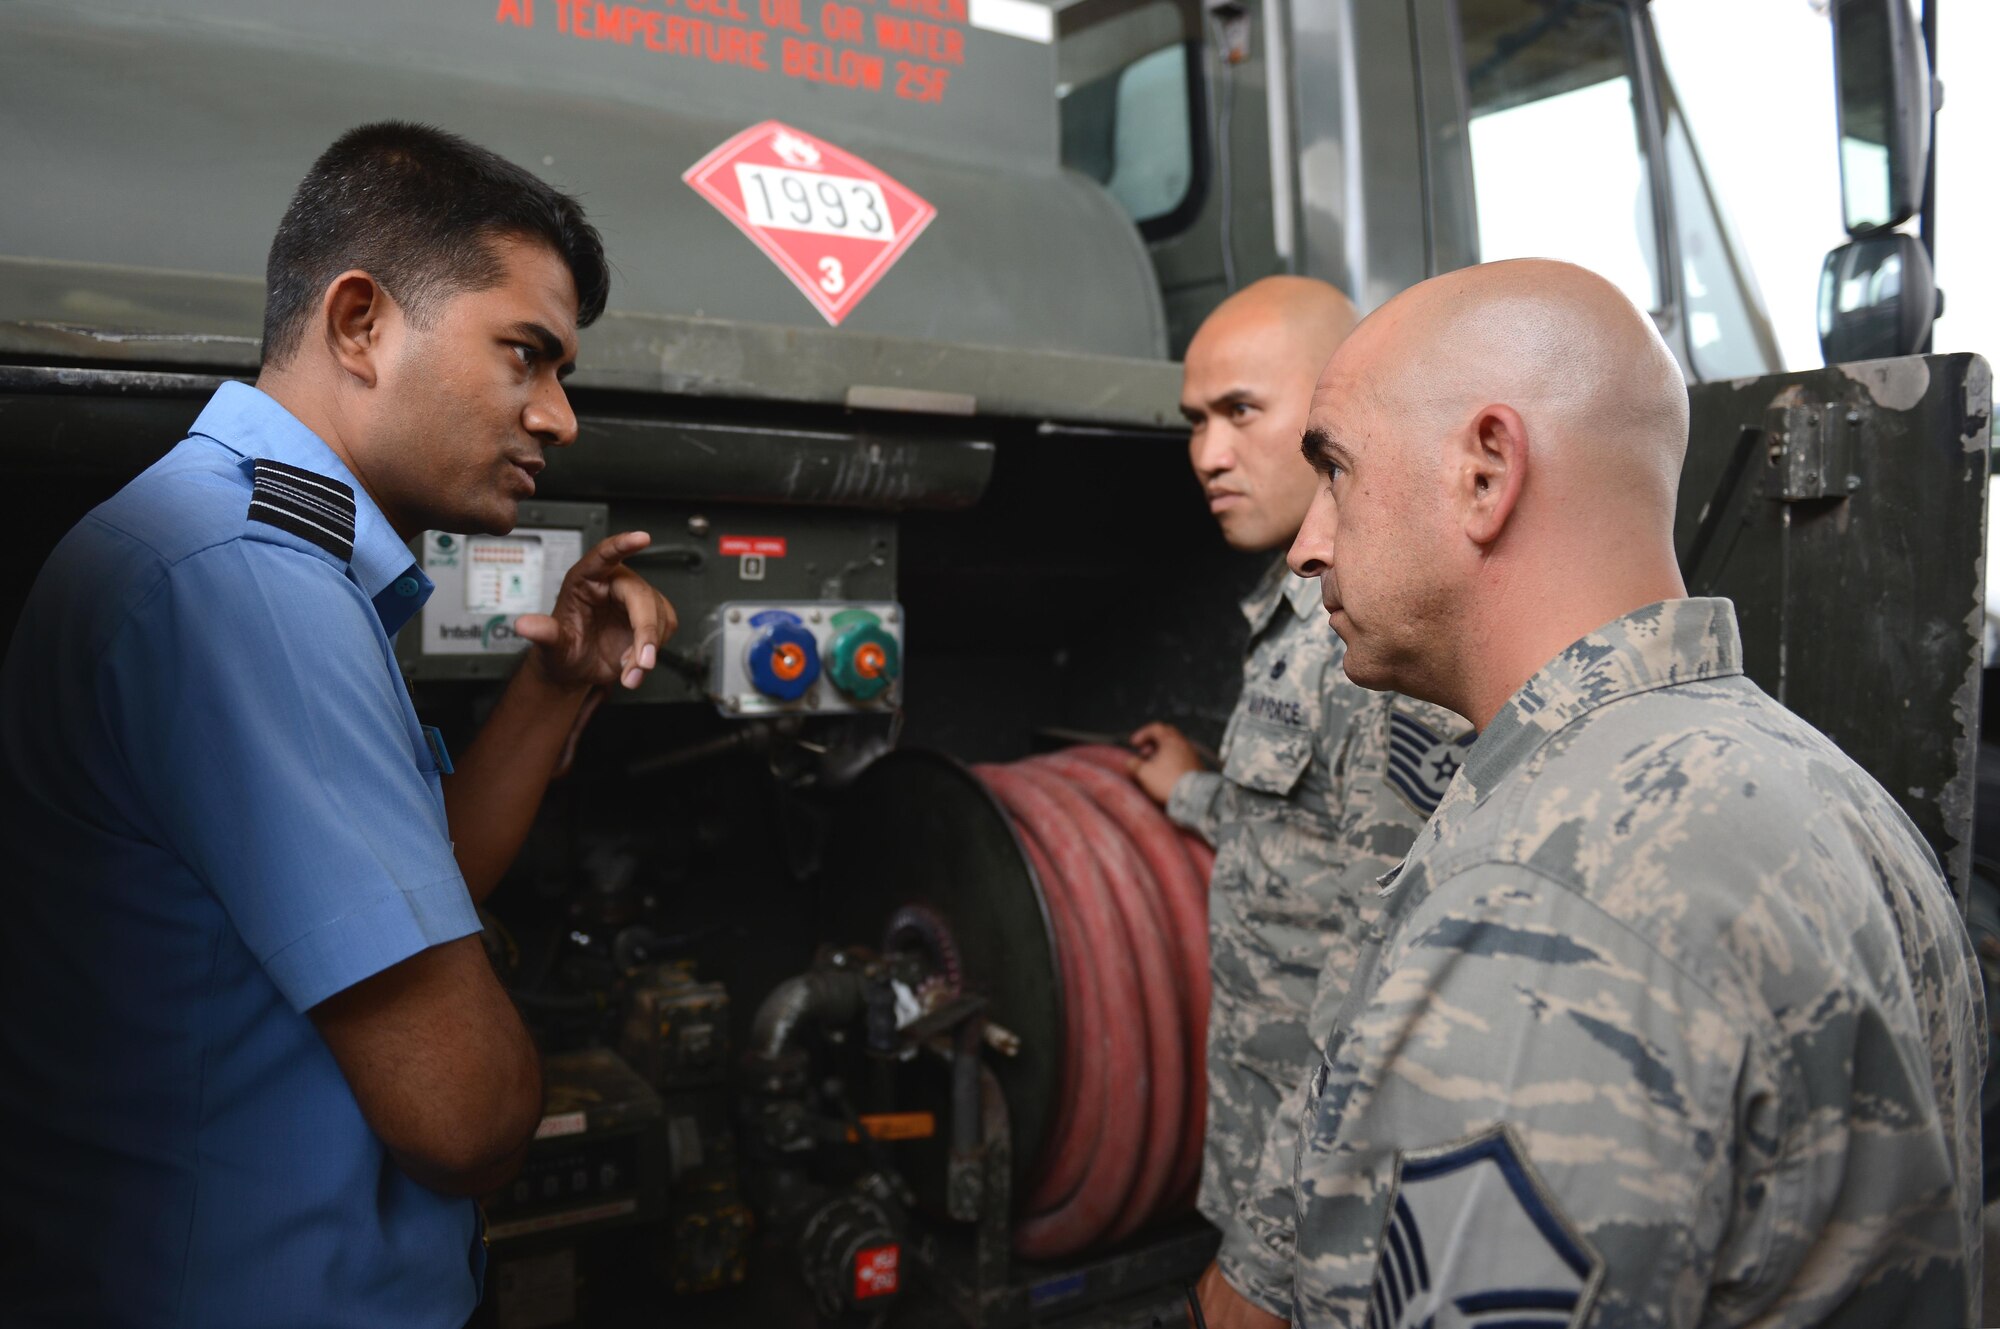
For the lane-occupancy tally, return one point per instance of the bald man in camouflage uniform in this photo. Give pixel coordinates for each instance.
(1323, 785)
(1673, 1020)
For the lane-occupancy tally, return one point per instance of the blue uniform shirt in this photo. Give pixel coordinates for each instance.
(217, 809)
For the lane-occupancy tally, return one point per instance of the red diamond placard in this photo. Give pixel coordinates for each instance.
(830, 221)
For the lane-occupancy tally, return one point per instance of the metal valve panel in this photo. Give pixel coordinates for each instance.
(827, 657)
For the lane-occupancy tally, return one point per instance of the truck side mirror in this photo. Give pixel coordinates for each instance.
(1884, 82)
(1877, 298)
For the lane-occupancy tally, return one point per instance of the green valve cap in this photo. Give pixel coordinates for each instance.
(863, 659)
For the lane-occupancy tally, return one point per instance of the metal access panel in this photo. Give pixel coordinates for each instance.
(1844, 511)
(485, 582)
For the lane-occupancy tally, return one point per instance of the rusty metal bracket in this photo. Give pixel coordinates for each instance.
(1813, 450)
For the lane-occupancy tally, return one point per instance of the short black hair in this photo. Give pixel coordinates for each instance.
(417, 209)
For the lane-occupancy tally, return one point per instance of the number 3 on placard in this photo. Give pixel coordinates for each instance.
(832, 279)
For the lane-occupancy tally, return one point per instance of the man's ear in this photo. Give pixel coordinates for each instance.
(1492, 468)
(354, 313)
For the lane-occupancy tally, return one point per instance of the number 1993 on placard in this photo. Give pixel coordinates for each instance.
(812, 201)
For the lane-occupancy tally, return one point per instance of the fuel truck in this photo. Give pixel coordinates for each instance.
(868, 993)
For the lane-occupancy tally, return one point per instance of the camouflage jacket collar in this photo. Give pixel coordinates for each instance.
(1663, 644)
(1279, 586)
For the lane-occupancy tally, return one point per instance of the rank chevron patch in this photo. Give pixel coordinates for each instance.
(1475, 1241)
(1421, 761)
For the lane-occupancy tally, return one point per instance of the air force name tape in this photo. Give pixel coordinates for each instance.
(1475, 1241)
(1422, 762)
(315, 508)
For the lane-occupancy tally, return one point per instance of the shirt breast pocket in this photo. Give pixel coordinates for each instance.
(1268, 758)
(1270, 741)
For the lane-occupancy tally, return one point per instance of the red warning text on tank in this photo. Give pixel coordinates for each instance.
(877, 1272)
(833, 223)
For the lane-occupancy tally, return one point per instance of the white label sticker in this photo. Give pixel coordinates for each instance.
(786, 200)
(503, 574)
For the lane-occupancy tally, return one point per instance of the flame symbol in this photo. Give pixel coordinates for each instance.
(794, 150)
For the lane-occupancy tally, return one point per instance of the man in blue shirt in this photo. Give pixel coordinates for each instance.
(254, 1058)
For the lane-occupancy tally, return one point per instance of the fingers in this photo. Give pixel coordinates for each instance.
(540, 629)
(1165, 755)
(651, 614)
(608, 622)
(604, 557)
(643, 617)
(652, 620)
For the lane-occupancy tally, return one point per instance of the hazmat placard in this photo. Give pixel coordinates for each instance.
(832, 222)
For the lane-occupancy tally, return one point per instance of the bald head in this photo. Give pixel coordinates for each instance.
(1559, 343)
(1505, 445)
(1245, 387)
(1309, 317)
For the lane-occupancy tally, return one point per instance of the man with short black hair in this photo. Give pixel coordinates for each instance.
(255, 1058)
(1323, 785)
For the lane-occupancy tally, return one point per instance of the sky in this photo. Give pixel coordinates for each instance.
(1756, 80)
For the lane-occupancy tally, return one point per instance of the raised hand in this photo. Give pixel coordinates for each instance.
(607, 624)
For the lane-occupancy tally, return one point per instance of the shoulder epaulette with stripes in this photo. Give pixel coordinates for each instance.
(316, 508)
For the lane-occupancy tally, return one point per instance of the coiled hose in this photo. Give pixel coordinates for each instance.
(1128, 898)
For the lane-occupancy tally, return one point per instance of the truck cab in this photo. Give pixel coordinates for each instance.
(1375, 146)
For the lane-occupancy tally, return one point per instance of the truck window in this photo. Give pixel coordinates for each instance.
(1729, 332)
(1128, 113)
(1729, 335)
(1559, 169)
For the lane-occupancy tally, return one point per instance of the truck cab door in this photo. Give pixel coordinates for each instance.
(1842, 509)
(1553, 131)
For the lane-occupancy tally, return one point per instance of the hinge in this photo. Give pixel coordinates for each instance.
(1813, 449)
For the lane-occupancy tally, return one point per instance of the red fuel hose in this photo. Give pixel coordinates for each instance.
(1163, 845)
(1120, 761)
(1184, 899)
(1127, 897)
(1199, 854)
(1079, 1119)
(1116, 760)
(1088, 1212)
(1147, 935)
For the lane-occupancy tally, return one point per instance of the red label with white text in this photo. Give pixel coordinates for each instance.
(876, 1272)
(770, 546)
(831, 222)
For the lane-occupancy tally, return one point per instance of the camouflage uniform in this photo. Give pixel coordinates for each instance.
(1674, 1022)
(1323, 786)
